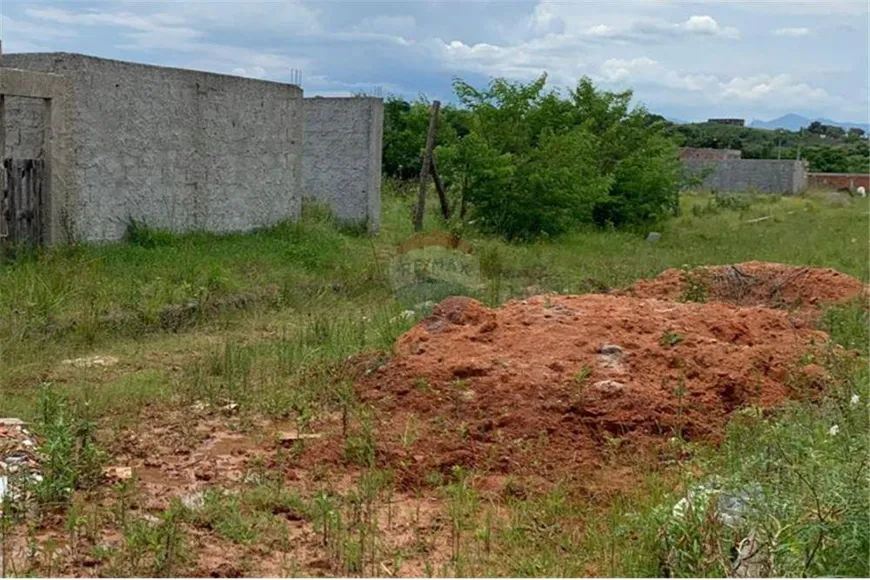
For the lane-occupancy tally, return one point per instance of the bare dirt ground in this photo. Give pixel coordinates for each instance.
(544, 390)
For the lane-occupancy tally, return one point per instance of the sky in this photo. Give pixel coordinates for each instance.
(685, 60)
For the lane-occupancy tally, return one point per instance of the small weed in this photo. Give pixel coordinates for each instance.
(461, 507)
(72, 458)
(695, 285)
(583, 374)
(670, 338)
(411, 433)
(359, 446)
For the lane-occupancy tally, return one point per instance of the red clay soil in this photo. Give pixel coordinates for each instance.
(756, 284)
(548, 385)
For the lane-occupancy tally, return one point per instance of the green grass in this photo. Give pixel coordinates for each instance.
(322, 294)
(82, 297)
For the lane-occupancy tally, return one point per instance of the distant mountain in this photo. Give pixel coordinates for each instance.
(792, 122)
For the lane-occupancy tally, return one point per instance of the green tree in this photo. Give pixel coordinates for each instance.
(537, 163)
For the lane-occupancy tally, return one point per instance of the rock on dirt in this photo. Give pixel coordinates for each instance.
(20, 461)
(289, 437)
(118, 473)
(91, 361)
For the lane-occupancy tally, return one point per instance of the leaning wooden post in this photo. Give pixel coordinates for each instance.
(439, 187)
(424, 169)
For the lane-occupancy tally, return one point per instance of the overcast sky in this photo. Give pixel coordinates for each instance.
(757, 59)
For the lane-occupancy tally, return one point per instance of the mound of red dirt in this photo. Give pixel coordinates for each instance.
(754, 284)
(547, 385)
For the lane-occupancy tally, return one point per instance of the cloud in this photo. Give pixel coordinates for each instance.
(19, 35)
(643, 23)
(254, 72)
(694, 26)
(170, 32)
(775, 88)
(554, 53)
(664, 49)
(780, 91)
(793, 32)
(647, 70)
(707, 26)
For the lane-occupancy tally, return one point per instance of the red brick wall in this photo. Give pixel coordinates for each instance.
(849, 181)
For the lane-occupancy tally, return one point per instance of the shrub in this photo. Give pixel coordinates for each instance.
(535, 163)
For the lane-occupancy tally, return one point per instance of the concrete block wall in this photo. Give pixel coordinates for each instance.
(766, 175)
(177, 149)
(342, 156)
(709, 154)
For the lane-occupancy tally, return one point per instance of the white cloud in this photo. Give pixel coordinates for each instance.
(23, 36)
(154, 24)
(647, 70)
(776, 88)
(694, 26)
(554, 53)
(707, 26)
(254, 72)
(170, 32)
(793, 32)
(599, 30)
(545, 20)
(764, 90)
(664, 49)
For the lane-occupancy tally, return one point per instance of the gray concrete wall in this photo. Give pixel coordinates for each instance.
(24, 127)
(767, 175)
(342, 156)
(177, 149)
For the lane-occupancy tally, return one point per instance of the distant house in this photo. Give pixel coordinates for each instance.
(737, 122)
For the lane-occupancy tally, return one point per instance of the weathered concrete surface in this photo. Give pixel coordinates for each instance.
(342, 156)
(766, 175)
(24, 127)
(176, 149)
(25, 83)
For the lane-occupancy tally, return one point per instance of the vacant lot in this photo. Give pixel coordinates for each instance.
(263, 404)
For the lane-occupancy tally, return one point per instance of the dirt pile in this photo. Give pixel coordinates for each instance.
(753, 284)
(548, 385)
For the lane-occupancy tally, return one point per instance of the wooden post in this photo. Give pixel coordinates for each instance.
(424, 169)
(439, 187)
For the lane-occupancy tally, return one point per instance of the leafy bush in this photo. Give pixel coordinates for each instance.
(535, 163)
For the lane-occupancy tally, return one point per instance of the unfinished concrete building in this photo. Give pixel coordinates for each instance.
(176, 149)
(724, 170)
